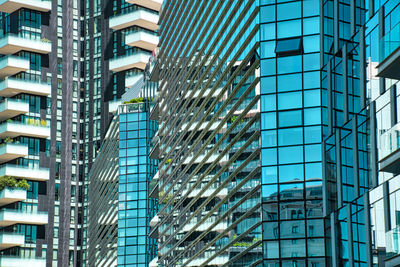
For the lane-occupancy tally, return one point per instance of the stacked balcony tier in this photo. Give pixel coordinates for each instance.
(9, 240)
(16, 129)
(9, 6)
(11, 65)
(10, 217)
(137, 60)
(11, 86)
(11, 195)
(142, 39)
(10, 108)
(25, 172)
(11, 44)
(141, 18)
(10, 151)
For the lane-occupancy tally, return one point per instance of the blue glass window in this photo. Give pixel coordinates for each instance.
(291, 46)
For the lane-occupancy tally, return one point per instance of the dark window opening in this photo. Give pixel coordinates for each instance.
(289, 47)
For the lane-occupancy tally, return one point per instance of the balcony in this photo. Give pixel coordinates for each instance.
(15, 129)
(11, 86)
(137, 60)
(152, 4)
(389, 55)
(389, 150)
(10, 108)
(141, 18)
(11, 44)
(9, 6)
(9, 240)
(142, 39)
(11, 65)
(9, 261)
(25, 172)
(11, 195)
(10, 151)
(10, 217)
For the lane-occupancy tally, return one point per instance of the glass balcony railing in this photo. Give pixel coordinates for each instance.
(389, 141)
(389, 54)
(9, 6)
(13, 43)
(393, 242)
(389, 43)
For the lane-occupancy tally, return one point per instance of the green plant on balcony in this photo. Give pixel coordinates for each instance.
(45, 40)
(43, 123)
(11, 182)
(166, 199)
(134, 100)
(234, 118)
(168, 161)
(30, 121)
(9, 120)
(8, 140)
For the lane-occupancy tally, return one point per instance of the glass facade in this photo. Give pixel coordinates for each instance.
(291, 133)
(135, 208)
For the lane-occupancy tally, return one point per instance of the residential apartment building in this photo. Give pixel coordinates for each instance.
(54, 75)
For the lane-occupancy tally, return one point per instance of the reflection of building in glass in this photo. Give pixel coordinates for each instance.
(278, 138)
(120, 208)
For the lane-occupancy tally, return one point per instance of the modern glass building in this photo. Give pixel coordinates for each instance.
(136, 168)
(277, 135)
(120, 208)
